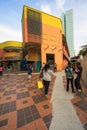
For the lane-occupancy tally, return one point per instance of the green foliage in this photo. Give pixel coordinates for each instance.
(83, 50)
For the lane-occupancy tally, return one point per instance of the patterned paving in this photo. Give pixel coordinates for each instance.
(22, 105)
(25, 107)
(80, 103)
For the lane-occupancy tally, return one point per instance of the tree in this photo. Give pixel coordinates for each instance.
(83, 50)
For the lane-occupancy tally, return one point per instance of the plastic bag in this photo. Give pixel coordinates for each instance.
(40, 84)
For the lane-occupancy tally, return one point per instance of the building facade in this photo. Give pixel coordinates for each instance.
(11, 54)
(43, 39)
(67, 21)
(83, 60)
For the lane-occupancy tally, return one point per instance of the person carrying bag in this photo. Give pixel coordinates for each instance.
(47, 73)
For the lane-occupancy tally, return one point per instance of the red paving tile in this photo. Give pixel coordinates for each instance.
(25, 107)
(40, 124)
(4, 128)
(22, 105)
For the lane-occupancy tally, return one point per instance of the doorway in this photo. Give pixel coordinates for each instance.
(50, 58)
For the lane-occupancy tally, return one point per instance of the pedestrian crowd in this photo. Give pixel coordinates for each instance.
(73, 76)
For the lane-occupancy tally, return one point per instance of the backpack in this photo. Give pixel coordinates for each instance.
(69, 72)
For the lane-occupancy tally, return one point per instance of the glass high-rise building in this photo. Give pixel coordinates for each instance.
(67, 21)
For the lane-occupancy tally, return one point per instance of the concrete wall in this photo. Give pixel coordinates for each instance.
(84, 74)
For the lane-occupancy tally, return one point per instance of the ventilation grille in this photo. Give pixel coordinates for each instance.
(34, 22)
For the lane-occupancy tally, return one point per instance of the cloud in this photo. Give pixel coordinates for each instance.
(80, 25)
(46, 8)
(60, 4)
(81, 34)
(7, 34)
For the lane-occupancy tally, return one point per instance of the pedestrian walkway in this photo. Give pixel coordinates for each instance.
(64, 114)
(79, 102)
(25, 107)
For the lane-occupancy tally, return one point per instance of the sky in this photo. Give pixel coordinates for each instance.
(11, 14)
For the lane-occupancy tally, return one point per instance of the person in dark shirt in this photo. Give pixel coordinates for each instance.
(69, 76)
(29, 71)
(78, 71)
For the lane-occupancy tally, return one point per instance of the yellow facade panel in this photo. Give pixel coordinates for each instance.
(10, 43)
(25, 12)
(51, 20)
(46, 18)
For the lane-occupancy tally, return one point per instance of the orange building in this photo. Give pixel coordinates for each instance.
(1, 54)
(10, 53)
(43, 38)
(11, 50)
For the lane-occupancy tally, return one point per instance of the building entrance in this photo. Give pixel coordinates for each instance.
(50, 58)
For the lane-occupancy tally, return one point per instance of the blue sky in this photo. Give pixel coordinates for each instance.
(11, 14)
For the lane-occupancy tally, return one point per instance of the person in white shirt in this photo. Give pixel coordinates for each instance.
(47, 75)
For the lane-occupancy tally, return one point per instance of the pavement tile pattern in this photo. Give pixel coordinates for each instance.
(25, 107)
(80, 103)
(22, 105)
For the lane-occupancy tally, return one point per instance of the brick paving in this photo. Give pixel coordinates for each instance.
(25, 107)
(22, 105)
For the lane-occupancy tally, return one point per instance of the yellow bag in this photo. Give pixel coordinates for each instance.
(40, 84)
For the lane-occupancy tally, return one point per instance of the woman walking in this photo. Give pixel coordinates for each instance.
(47, 73)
